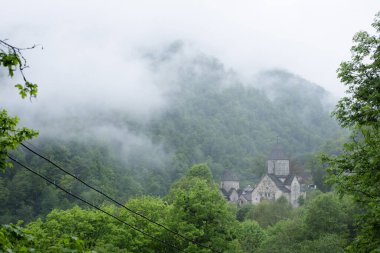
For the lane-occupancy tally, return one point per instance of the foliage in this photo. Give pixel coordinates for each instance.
(196, 210)
(284, 237)
(325, 244)
(155, 209)
(228, 125)
(200, 212)
(325, 214)
(318, 172)
(361, 76)
(356, 171)
(201, 171)
(92, 162)
(243, 211)
(11, 136)
(250, 235)
(14, 238)
(12, 59)
(268, 213)
(100, 232)
(322, 225)
(214, 117)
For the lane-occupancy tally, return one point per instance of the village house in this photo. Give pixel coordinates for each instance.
(277, 182)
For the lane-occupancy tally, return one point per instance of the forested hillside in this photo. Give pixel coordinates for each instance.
(210, 116)
(193, 217)
(189, 126)
(233, 125)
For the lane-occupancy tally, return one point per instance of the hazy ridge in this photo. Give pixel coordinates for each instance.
(208, 115)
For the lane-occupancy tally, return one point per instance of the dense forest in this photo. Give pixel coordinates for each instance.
(211, 117)
(111, 181)
(194, 209)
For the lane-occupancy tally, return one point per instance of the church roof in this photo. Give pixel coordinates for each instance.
(224, 192)
(278, 153)
(228, 176)
(227, 194)
(247, 196)
(249, 188)
(280, 185)
(289, 179)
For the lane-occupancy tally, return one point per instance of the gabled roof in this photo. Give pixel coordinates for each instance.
(225, 193)
(247, 196)
(247, 193)
(228, 193)
(289, 179)
(280, 185)
(228, 176)
(278, 153)
(249, 188)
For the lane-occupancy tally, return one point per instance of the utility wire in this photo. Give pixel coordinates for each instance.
(92, 205)
(34, 146)
(115, 201)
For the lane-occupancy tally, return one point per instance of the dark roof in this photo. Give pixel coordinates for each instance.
(289, 179)
(247, 193)
(249, 188)
(228, 176)
(247, 196)
(278, 153)
(280, 185)
(224, 192)
(227, 194)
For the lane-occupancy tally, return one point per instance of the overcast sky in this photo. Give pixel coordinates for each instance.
(91, 43)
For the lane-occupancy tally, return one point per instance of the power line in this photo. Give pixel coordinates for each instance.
(34, 146)
(92, 205)
(115, 201)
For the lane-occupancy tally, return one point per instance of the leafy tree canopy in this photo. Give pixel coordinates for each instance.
(356, 171)
(10, 136)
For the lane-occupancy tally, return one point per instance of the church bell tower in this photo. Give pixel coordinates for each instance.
(278, 162)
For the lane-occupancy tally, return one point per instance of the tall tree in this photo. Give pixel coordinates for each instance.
(200, 213)
(268, 213)
(356, 171)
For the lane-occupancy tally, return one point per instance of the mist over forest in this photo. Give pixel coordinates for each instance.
(206, 114)
(190, 127)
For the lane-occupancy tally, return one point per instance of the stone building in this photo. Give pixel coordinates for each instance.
(276, 183)
(230, 187)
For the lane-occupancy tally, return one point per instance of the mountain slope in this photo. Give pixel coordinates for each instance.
(210, 116)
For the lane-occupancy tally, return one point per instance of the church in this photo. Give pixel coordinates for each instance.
(276, 183)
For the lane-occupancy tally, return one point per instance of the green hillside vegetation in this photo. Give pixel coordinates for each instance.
(154, 180)
(195, 209)
(214, 117)
(211, 117)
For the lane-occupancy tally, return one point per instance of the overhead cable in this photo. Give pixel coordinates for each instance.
(115, 201)
(92, 205)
